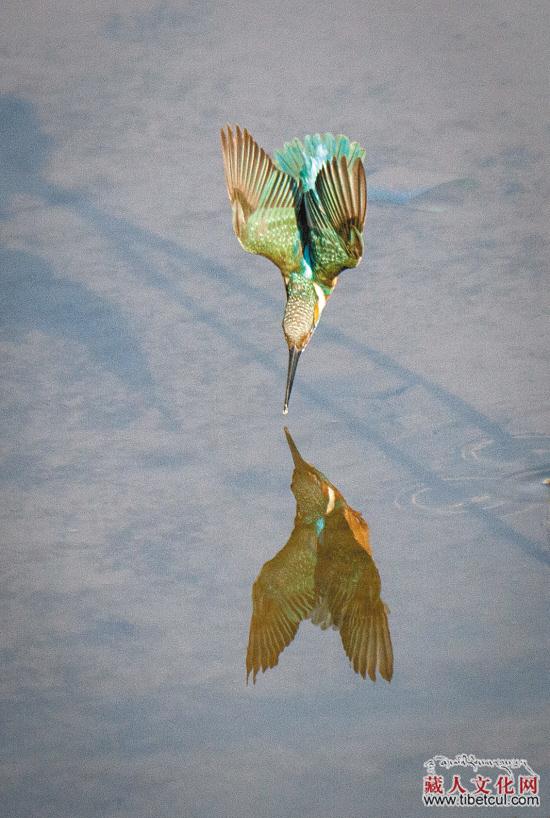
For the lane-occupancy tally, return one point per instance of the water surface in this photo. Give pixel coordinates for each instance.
(145, 470)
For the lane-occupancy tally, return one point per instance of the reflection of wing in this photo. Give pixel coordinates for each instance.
(348, 582)
(336, 212)
(265, 201)
(282, 596)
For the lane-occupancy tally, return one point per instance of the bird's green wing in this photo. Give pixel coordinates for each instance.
(335, 212)
(264, 199)
(282, 595)
(348, 584)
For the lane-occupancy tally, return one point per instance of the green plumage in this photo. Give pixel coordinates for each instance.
(310, 198)
(273, 232)
(305, 212)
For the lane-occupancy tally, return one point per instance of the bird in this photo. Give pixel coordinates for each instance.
(305, 211)
(324, 573)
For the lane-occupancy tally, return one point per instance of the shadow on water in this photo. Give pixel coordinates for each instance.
(24, 145)
(324, 573)
(34, 298)
(24, 148)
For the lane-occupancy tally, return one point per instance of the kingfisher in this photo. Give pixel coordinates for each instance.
(324, 573)
(305, 211)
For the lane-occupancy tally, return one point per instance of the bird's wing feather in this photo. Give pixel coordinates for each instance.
(264, 199)
(282, 596)
(335, 213)
(348, 581)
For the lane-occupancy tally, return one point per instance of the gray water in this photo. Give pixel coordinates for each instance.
(145, 472)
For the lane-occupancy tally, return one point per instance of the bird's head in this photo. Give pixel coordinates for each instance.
(305, 303)
(316, 497)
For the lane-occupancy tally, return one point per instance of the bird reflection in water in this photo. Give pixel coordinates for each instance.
(325, 573)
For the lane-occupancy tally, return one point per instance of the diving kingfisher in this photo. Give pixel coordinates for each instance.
(305, 211)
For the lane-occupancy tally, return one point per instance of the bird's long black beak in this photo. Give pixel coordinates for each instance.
(293, 358)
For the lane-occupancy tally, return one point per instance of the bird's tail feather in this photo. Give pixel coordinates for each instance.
(296, 157)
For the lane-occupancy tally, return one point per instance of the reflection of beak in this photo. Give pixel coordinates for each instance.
(293, 358)
(296, 456)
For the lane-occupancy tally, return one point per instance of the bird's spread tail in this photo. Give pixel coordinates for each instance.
(304, 160)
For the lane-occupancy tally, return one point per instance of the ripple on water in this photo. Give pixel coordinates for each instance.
(506, 478)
